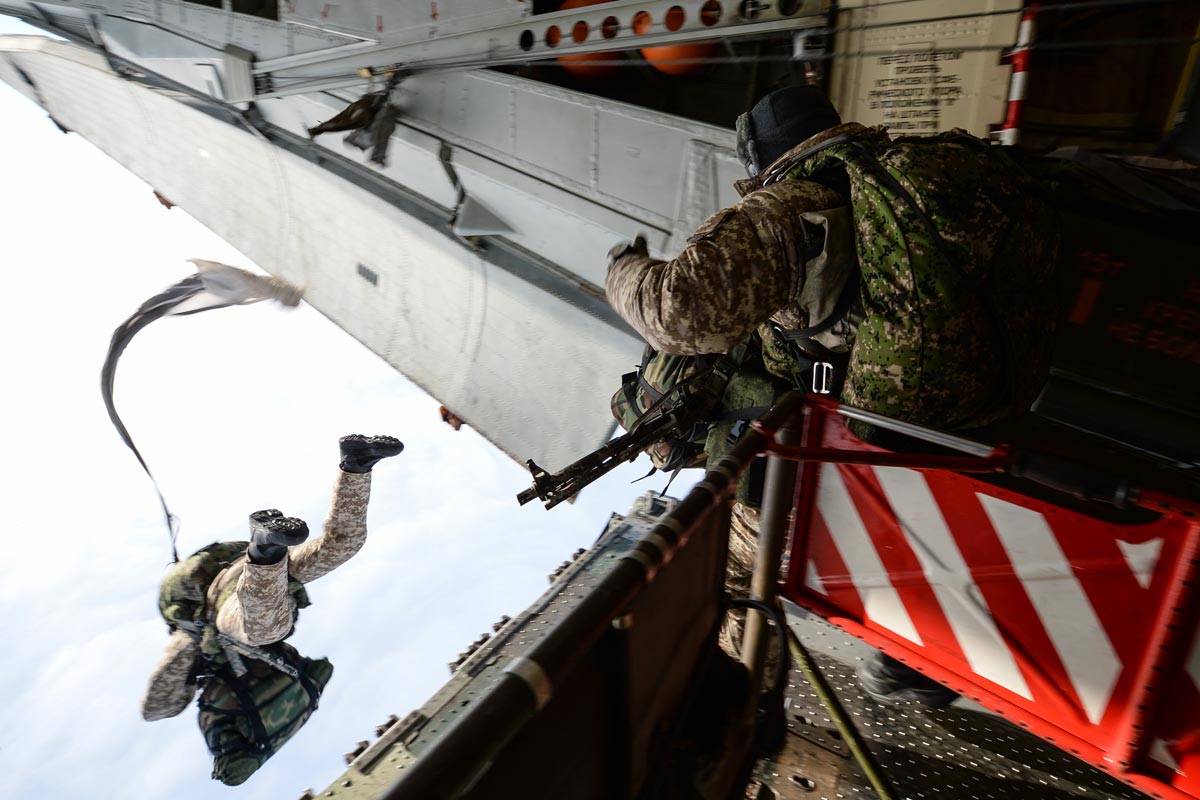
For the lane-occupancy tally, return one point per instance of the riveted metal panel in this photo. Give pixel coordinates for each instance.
(494, 346)
(481, 112)
(640, 159)
(557, 134)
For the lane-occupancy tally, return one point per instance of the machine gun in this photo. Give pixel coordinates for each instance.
(687, 403)
(565, 484)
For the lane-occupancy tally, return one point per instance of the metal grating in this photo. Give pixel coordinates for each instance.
(959, 753)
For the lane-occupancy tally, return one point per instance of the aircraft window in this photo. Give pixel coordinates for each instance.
(267, 9)
(675, 18)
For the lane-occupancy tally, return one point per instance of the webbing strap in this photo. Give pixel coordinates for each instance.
(246, 703)
(845, 302)
(309, 687)
(742, 413)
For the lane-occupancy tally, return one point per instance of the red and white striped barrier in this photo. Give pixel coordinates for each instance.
(1080, 629)
(1010, 129)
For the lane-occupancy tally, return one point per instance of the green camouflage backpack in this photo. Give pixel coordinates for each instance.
(181, 595)
(246, 719)
(250, 708)
(957, 253)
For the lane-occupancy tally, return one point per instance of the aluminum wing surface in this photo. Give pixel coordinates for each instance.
(525, 353)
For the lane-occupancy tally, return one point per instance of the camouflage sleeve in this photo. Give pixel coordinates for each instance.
(261, 610)
(345, 530)
(741, 266)
(169, 692)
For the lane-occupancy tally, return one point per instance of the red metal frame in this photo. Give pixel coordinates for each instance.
(1132, 710)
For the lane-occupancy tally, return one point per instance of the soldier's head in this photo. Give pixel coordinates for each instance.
(779, 122)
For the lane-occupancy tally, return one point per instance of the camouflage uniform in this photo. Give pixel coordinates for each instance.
(743, 546)
(930, 342)
(253, 601)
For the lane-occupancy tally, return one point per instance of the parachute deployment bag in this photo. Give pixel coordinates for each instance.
(182, 592)
(247, 719)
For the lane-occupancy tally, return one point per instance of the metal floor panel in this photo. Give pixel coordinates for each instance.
(962, 752)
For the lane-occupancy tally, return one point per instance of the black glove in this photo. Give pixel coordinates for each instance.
(636, 247)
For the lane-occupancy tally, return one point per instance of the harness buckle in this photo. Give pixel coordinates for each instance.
(822, 377)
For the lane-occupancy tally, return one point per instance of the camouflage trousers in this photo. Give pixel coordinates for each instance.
(261, 610)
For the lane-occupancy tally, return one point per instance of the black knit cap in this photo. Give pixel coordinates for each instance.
(780, 121)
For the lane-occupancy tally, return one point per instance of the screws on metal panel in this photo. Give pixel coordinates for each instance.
(357, 751)
(382, 728)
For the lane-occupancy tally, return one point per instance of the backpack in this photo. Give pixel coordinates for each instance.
(252, 699)
(246, 719)
(182, 593)
(957, 254)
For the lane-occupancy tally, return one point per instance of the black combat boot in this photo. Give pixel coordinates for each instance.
(271, 534)
(360, 453)
(889, 681)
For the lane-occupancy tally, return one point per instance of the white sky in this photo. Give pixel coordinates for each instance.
(235, 410)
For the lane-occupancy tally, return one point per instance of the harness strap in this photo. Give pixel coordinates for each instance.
(246, 702)
(844, 303)
(742, 414)
(309, 687)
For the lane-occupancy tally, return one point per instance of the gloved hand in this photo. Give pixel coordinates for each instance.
(637, 247)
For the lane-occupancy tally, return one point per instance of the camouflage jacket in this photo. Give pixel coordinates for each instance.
(782, 252)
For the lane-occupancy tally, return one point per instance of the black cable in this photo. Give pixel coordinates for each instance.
(768, 701)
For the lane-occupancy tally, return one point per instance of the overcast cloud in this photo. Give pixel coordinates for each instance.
(235, 410)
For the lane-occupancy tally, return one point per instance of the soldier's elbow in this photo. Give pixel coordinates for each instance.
(152, 713)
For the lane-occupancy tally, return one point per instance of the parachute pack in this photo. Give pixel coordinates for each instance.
(252, 699)
(246, 719)
(957, 247)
